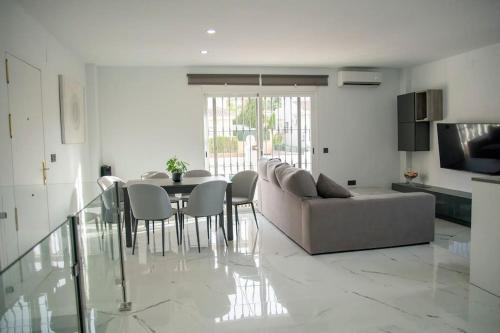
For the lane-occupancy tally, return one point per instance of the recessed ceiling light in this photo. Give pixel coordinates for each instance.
(203, 51)
(210, 31)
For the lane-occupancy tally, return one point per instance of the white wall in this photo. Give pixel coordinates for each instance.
(150, 113)
(25, 38)
(470, 83)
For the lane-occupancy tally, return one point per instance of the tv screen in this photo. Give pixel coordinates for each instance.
(470, 147)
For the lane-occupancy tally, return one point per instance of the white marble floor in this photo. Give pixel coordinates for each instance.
(265, 283)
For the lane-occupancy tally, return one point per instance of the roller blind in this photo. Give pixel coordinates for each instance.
(223, 79)
(294, 80)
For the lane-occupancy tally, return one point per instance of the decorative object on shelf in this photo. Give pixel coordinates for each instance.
(176, 167)
(410, 175)
(72, 111)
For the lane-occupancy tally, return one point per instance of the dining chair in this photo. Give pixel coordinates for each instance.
(155, 175)
(108, 216)
(151, 203)
(106, 184)
(206, 200)
(193, 173)
(161, 175)
(243, 186)
(148, 174)
(197, 173)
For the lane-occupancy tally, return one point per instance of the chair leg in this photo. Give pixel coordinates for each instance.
(177, 228)
(181, 227)
(197, 233)
(153, 227)
(163, 237)
(208, 229)
(146, 223)
(254, 216)
(222, 227)
(135, 236)
(216, 220)
(236, 219)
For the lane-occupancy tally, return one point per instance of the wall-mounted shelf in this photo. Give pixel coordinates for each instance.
(429, 105)
(415, 111)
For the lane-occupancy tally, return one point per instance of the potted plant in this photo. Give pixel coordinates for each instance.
(176, 168)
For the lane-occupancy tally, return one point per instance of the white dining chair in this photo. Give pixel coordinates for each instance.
(155, 175)
(151, 203)
(148, 174)
(206, 200)
(190, 174)
(243, 189)
(106, 184)
(161, 175)
(197, 173)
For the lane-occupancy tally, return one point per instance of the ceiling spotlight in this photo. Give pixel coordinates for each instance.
(210, 31)
(203, 51)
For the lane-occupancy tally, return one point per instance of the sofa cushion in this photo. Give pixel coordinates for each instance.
(282, 171)
(297, 181)
(327, 188)
(271, 167)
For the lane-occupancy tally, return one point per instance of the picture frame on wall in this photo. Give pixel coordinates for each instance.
(72, 110)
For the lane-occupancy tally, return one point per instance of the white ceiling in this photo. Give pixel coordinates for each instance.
(320, 33)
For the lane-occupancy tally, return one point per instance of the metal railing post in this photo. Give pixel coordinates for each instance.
(76, 271)
(125, 305)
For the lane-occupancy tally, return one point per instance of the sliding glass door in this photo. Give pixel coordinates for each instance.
(240, 129)
(286, 129)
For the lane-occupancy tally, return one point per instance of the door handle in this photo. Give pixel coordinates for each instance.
(44, 172)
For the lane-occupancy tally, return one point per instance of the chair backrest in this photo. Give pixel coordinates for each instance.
(197, 173)
(149, 202)
(244, 183)
(148, 174)
(157, 175)
(207, 199)
(106, 182)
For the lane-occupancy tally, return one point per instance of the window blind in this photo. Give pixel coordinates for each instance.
(223, 79)
(294, 80)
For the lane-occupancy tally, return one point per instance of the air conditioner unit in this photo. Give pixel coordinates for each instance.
(358, 78)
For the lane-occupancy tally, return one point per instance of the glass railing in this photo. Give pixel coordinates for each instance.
(102, 259)
(37, 292)
(73, 279)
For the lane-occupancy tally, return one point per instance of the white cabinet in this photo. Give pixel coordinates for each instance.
(485, 234)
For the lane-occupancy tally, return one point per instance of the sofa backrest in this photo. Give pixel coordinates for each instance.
(293, 180)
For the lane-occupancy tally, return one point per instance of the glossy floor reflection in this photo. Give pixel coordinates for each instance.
(266, 283)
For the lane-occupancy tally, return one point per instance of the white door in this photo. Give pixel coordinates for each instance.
(28, 152)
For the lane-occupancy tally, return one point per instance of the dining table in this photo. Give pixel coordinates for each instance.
(185, 186)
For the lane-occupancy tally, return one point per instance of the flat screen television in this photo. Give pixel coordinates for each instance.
(470, 147)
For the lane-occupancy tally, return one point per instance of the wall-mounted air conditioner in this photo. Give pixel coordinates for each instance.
(358, 78)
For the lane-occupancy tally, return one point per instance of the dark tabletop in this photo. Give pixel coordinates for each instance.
(187, 181)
